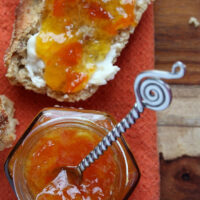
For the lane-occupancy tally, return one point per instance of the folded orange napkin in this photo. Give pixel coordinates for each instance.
(116, 98)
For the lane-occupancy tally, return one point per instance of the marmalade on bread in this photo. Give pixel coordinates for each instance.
(77, 34)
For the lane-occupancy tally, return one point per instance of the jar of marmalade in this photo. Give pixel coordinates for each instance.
(60, 137)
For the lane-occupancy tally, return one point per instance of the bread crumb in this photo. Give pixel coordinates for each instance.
(194, 21)
(57, 106)
(7, 123)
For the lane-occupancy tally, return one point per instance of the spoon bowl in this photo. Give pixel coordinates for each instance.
(74, 175)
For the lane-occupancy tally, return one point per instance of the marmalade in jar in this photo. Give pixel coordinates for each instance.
(60, 137)
(66, 147)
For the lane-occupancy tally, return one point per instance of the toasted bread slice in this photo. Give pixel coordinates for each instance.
(28, 20)
(7, 123)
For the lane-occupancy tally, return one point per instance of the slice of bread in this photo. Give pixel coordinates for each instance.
(7, 123)
(28, 19)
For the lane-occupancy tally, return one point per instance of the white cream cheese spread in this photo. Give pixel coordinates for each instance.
(34, 65)
(105, 69)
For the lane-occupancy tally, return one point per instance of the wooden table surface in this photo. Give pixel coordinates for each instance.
(176, 40)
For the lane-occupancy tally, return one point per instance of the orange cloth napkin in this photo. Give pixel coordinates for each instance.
(116, 98)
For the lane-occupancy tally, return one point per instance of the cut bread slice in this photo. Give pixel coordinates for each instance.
(27, 24)
(7, 123)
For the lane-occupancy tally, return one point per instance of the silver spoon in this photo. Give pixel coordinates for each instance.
(150, 92)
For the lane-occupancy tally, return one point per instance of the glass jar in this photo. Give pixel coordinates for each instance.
(96, 122)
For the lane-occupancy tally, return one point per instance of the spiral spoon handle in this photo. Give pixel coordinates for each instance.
(150, 92)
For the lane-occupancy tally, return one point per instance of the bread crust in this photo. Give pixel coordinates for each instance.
(27, 23)
(7, 123)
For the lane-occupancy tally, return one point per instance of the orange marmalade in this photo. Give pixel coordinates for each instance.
(77, 34)
(64, 146)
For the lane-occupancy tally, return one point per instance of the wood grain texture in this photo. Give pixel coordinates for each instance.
(175, 39)
(175, 141)
(179, 135)
(185, 108)
(179, 125)
(180, 179)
